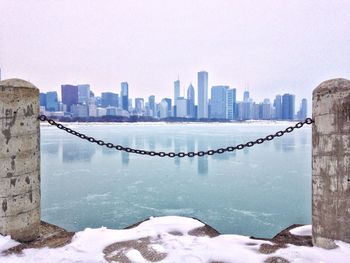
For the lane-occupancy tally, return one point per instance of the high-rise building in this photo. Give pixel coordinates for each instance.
(51, 101)
(84, 94)
(163, 109)
(152, 105)
(43, 99)
(302, 114)
(181, 107)
(266, 110)
(231, 105)
(288, 107)
(139, 105)
(218, 102)
(202, 94)
(109, 99)
(79, 110)
(277, 103)
(247, 109)
(191, 110)
(69, 95)
(169, 106)
(124, 94)
(246, 96)
(176, 89)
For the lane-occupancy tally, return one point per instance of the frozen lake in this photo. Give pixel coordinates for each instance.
(256, 191)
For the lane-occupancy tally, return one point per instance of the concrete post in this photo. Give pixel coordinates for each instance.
(331, 163)
(19, 160)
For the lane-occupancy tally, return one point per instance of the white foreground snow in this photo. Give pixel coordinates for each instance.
(87, 246)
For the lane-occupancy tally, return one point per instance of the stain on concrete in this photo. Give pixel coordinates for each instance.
(13, 182)
(29, 112)
(4, 205)
(31, 197)
(13, 164)
(10, 119)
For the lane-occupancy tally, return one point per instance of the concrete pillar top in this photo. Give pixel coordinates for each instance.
(17, 83)
(332, 86)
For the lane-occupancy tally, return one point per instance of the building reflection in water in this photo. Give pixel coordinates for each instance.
(177, 149)
(288, 144)
(139, 142)
(202, 165)
(190, 146)
(152, 143)
(77, 152)
(108, 151)
(125, 155)
(50, 148)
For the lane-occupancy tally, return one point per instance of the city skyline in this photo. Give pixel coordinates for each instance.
(80, 101)
(264, 46)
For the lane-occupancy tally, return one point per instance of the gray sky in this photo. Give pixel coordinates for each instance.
(268, 46)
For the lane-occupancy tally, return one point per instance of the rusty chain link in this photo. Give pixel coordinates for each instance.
(179, 154)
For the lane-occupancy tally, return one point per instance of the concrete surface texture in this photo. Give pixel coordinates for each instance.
(19, 160)
(331, 163)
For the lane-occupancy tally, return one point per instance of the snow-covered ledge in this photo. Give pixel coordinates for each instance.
(173, 239)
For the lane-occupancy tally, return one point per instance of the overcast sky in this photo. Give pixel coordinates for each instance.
(268, 47)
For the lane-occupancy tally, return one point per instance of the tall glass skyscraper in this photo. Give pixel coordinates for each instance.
(51, 101)
(277, 103)
(109, 99)
(84, 94)
(43, 99)
(231, 113)
(124, 94)
(69, 95)
(139, 105)
(218, 102)
(191, 109)
(288, 107)
(202, 94)
(176, 90)
(152, 105)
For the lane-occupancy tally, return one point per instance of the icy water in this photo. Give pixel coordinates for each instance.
(256, 191)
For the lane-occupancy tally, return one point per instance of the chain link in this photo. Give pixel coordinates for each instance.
(179, 154)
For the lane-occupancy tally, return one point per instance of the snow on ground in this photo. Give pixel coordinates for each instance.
(302, 231)
(87, 246)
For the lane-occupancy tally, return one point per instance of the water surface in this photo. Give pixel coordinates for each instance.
(256, 191)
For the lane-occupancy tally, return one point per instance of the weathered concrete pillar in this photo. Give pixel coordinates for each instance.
(331, 163)
(19, 160)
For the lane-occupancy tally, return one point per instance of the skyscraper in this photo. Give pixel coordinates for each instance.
(176, 90)
(288, 107)
(181, 107)
(218, 102)
(43, 99)
(109, 99)
(84, 94)
(152, 105)
(51, 101)
(139, 105)
(231, 113)
(266, 110)
(246, 96)
(163, 109)
(169, 106)
(302, 114)
(202, 94)
(190, 102)
(124, 94)
(69, 95)
(277, 103)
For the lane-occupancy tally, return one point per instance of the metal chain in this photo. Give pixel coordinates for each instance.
(179, 154)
